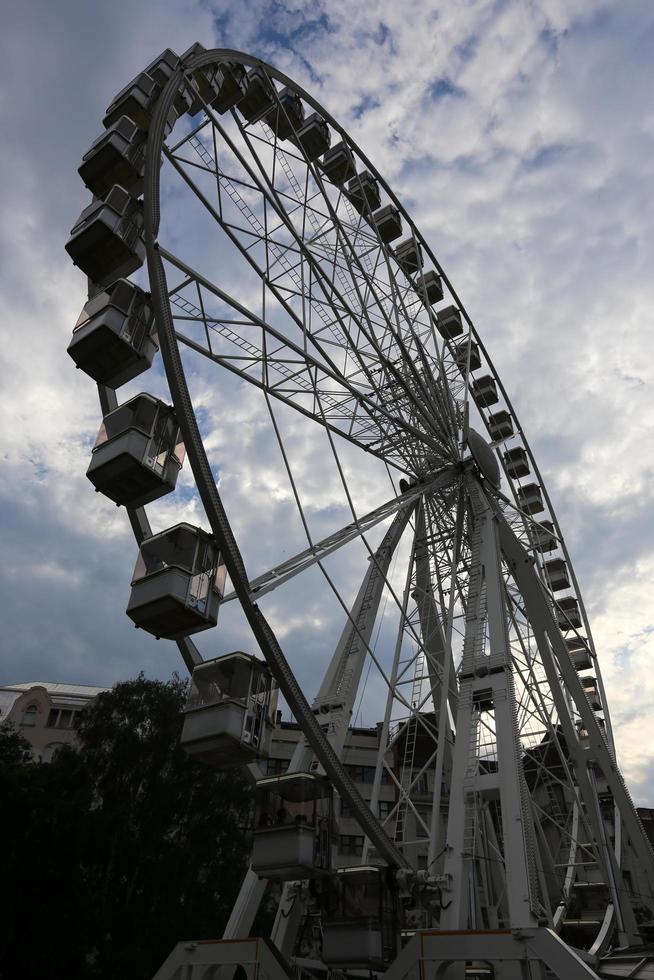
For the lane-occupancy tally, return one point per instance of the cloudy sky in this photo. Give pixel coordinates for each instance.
(520, 136)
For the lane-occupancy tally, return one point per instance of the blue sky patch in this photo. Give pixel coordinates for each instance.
(442, 88)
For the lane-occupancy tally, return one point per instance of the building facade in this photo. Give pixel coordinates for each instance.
(45, 713)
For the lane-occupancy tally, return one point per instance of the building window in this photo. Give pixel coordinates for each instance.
(420, 785)
(49, 752)
(346, 809)
(277, 767)
(351, 845)
(421, 833)
(385, 807)
(29, 716)
(366, 774)
(63, 718)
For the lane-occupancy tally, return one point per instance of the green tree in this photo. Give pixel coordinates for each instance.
(140, 846)
(41, 812)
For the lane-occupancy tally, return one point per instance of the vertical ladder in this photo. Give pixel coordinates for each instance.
(470, 823)
(406, 776)
(475, 604)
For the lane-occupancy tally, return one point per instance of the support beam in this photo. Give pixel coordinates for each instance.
(431, 627)
(291, 567)
(596, 752)
(336, 697)
(486, 688)
(334, 702)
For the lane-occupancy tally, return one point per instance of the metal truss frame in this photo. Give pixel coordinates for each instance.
(528, 809)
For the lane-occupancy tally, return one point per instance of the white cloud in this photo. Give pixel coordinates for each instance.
(519, 136)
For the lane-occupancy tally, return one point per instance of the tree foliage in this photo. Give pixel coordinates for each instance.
(117, 851)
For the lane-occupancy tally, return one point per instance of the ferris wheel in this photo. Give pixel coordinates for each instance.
(269, 256)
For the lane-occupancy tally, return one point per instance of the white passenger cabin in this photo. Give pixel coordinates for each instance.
(230, 711)
(294, 833)
(178, 582)
(114, 338)
(138, 452)
(361, 924)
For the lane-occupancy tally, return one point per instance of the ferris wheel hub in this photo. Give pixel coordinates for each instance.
(484, 458)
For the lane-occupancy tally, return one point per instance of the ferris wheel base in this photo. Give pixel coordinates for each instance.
(529, 954)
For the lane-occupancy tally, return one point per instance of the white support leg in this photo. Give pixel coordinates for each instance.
(486, 684)
(335, 701)
(239, 924)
